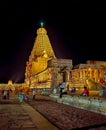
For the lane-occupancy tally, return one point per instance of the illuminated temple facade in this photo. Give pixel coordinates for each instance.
(44, 70)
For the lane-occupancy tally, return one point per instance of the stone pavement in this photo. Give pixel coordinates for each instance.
(95, 104)
(20, 116)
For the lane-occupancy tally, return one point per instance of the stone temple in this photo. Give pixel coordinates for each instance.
(44, 70)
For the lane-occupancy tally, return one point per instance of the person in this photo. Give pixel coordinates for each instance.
(85, 92)
(73, 90)
(5, 94)
(62, 87)
(33, 94)
(61, 90)
(27, 96)
(54, 90)
(21, 96)
(101, 92)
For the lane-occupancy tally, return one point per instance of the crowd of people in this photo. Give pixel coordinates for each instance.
(86, 92)
(27, 96)
(5, 93)
(23, 94)
(63, 89)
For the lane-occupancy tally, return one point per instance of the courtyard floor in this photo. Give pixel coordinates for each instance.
(66, 117)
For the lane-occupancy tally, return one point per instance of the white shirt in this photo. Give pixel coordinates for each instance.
(34, 92)
(63, 85)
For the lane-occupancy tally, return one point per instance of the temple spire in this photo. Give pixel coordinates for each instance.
(42, 43)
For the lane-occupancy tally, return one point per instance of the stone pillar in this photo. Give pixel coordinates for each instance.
(90, 73)
(96, 75)
(84, 75)
(101, 74)
(81, 74)
(67, 76)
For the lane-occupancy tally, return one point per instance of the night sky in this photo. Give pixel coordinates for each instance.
(76, 30)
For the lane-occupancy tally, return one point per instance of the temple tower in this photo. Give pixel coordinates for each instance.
(41, 53)
(43, 69)
(42, 45)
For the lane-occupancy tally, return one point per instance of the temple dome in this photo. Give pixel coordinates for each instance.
(41, 31)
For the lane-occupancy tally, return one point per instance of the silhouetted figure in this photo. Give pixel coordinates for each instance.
(5, 92)
(27, 96)
(33, 94)
(62, 87)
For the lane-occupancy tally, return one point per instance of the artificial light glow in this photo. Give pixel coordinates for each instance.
(41, 24)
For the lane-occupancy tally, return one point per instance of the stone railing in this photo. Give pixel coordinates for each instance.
(94, 104)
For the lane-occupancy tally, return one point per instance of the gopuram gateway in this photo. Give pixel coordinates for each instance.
(44, 70)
